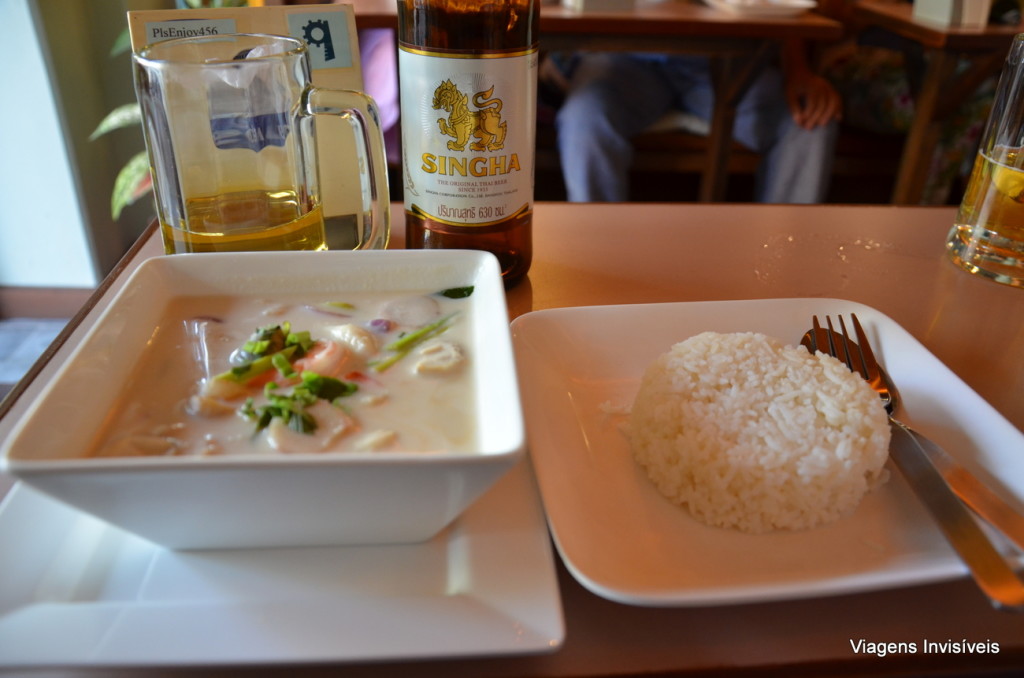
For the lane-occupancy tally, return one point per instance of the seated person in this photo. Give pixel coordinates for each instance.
(876, 74)
(788, 115)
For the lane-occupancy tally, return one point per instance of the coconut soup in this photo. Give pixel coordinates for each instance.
(370, 372)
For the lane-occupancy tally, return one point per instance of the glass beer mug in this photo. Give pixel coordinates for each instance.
(229, 126)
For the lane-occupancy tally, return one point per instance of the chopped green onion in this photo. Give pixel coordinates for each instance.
(244, 373)
(271, 347)
(300, 339)
(282, 365)
(407, 342)
(256, 347)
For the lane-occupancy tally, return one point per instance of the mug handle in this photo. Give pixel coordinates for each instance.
(360, 111)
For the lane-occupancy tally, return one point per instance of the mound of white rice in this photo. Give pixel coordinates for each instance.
(752, 434)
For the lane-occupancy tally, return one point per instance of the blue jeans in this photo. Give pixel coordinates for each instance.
(614, 97)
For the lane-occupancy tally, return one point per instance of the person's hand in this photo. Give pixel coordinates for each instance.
(812, 100)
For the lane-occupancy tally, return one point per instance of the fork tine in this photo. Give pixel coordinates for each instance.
(855, 363)
(816, 331)
(868, 361)
(834, 348)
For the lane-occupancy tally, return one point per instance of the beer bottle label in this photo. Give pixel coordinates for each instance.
(468, 134)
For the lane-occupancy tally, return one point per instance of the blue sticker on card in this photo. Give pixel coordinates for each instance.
(326, 33)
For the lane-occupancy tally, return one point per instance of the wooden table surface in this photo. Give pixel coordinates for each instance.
(898, 18)
(888, 257)
(646, 19)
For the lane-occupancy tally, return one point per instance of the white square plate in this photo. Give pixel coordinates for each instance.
(78, 591)
(621, 539)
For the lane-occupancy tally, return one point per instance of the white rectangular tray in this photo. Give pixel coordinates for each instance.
(77, 591)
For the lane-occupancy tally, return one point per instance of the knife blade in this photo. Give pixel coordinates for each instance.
(978, 496)
(990, 570)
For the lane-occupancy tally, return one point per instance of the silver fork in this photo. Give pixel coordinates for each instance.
(1002, 513)
(990, 570)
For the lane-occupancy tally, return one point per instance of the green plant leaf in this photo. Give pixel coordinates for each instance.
(122, 43)
(122, 116)
(130, 184)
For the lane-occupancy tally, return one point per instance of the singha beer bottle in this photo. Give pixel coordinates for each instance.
(468, 78)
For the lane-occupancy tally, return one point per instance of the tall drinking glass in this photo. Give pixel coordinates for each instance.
(229, 126)
(988, 236)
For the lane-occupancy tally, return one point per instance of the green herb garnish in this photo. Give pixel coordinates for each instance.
(291, 407)
(457, 292)
(326, 388)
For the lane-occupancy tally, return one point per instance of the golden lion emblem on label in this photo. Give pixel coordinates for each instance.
(485, 123)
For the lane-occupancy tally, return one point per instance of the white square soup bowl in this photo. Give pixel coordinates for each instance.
(229, 501)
